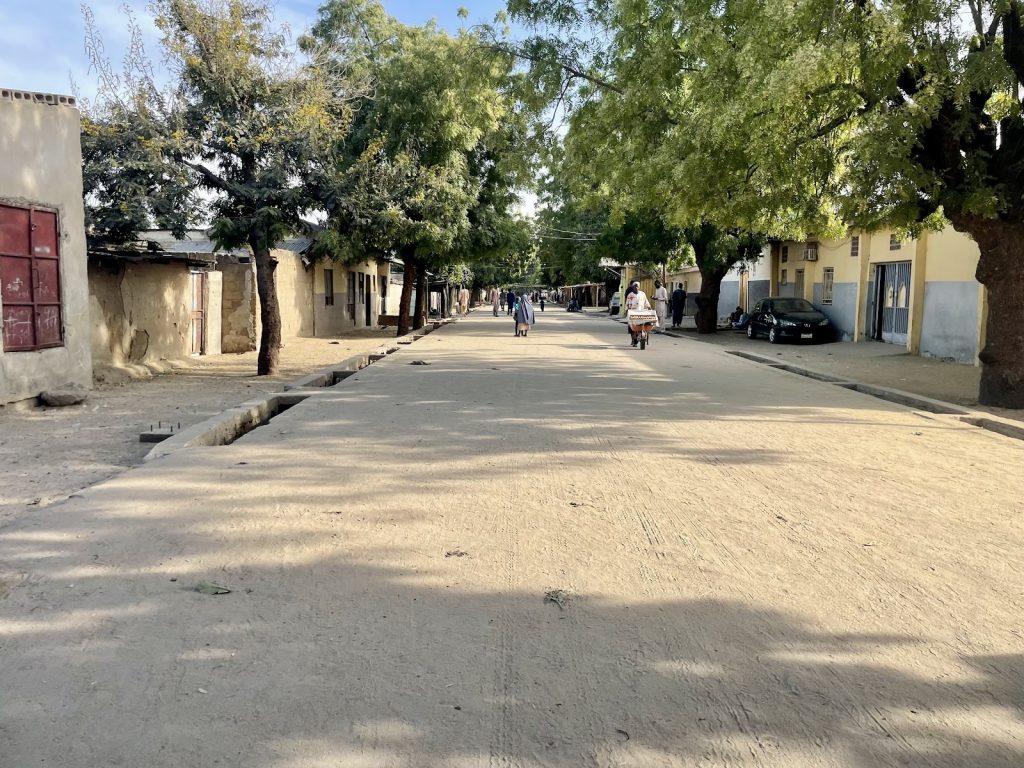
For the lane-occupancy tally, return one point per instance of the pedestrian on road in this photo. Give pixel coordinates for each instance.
(525, 316)
(635, 299)
(464, 301)
(542, 302)
(678, 305)
(510, 300)
(501, 298)
(660, 303)
(494, 300)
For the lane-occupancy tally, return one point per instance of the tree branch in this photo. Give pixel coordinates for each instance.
(567, 67)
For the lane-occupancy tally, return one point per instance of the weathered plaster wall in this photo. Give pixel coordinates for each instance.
(329, 319)
(41, 164)
(140, 312)
(950, 325)
(240, 307)
(294, 295)
(214, 313)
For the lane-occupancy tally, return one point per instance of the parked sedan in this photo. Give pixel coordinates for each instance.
(783, 317)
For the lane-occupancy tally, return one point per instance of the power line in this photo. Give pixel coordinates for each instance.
(569, 231)
(573, 239)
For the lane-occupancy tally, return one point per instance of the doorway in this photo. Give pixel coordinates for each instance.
(799, 286)
(368, 300)
(198, 329)
(891, 302)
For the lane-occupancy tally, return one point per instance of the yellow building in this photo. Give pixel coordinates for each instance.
(919, 293)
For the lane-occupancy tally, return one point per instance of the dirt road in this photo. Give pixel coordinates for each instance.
(551, 551)
(46, 454)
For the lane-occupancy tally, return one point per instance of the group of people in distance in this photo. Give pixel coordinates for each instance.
(520, 308)
(662, 302)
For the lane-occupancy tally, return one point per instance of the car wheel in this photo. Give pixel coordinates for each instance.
(750, 331)
(773, 336)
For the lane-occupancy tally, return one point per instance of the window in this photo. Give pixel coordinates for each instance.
(351, 298)
(894, 243)
(30, 279)
(827, 279)
(785, 253)
(329, 287)
(785, 277)
(855, 245)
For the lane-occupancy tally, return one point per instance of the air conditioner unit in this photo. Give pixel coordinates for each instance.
(810, 254)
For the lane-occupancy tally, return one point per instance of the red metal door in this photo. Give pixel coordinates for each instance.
(30, 279)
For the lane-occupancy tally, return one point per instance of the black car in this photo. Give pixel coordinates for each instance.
(785, 317)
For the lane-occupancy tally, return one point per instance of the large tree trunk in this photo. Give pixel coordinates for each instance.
(270, 311)
(422, 294)
(707, 299)
(408, 280)
(1001, 271)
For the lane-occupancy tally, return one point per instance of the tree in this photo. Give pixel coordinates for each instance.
(913, 115)
(412, 172)
(243, 120)
(642, 143)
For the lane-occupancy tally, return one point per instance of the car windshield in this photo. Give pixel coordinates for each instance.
(792, 305)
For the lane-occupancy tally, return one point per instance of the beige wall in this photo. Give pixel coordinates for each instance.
(143, 312)
(41, 164)
(329, 319)
(294, 295)
(240, 307)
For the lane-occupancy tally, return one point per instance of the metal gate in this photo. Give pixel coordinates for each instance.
(892, 302)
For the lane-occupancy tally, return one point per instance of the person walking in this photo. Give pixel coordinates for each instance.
(525, 316)
(660, 303)
(678, 305)
(542, 302)
(494, 300)
(635, 299)
(501, 298)
(510, 301)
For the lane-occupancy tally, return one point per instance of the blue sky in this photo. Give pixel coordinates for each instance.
(41, 41)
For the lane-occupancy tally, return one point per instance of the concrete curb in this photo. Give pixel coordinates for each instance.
(229, 425)
(987, 421)
(980, 419)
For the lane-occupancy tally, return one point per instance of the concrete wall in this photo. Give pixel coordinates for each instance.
(329, 320)
(843, 309)
(143, 312)
(950, 325)
(41, 164)
(240, 307)
(294, 295)
(757, 290)
(728, 298)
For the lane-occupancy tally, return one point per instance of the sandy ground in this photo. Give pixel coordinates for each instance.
(885, 365)
(743, 568)
(46, 454)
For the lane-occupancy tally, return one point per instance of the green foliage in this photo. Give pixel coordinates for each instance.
(426, 168)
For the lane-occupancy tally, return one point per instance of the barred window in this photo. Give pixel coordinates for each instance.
(894, 243)
(785, 277)
(785, 253)
(827, 280)
(855, 245)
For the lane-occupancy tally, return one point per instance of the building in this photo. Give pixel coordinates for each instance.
(44, 295)
(917, 293)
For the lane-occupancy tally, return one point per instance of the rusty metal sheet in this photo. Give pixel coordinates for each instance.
(44, 234)
(14, 231)
(49, 332)
(47, 281)
(15, 279)
(19, 328)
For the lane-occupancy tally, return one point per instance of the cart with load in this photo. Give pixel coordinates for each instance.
(641, 323)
